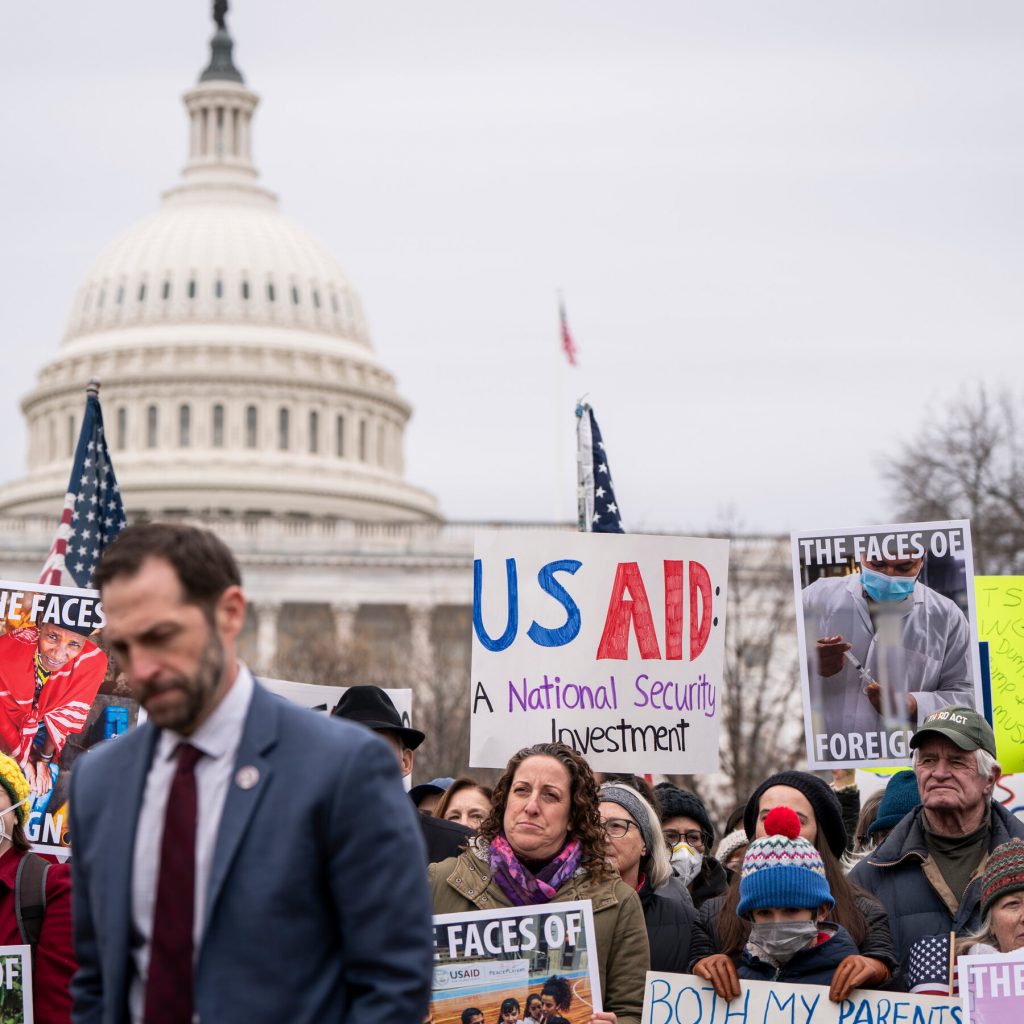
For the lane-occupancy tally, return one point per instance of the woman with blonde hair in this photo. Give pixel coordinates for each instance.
(639, 853)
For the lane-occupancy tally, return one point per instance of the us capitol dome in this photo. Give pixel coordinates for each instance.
(237, 369)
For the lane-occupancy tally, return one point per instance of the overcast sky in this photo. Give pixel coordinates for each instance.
(787, 233)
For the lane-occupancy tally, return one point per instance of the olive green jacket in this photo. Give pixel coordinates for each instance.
(464, 883)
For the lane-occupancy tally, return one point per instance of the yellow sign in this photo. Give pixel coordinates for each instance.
(1000, 605)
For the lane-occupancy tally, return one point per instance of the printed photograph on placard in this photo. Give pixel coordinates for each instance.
(16, 1004)
(58, 695)
(515, 964)
(887, 632)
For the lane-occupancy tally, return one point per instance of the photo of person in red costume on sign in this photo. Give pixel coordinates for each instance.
(49, 677)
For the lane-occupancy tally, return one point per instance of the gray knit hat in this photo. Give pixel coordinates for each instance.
(633, 804)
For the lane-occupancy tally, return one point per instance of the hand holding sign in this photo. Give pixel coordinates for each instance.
(830, 655)
(721, 972)
(856, 972)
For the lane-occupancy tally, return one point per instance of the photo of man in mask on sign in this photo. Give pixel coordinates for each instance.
(883, 647)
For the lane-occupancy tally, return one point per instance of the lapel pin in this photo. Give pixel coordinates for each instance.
(247, 776)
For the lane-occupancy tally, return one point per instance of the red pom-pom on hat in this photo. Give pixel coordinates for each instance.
(782, 821)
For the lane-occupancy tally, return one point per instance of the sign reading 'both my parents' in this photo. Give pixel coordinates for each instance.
(612, 644)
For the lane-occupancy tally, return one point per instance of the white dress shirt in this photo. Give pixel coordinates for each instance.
(218, 738)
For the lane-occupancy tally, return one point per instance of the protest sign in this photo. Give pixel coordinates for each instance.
(687, 999)
(610, 643)
(58, 695)
(886, 629)
(319, 697)
(16, 985)
(1001, 623)
(482, 958)
(992, 987)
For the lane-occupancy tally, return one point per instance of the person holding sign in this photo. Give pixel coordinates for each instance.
(636, 848)
(53, 959)
(926, 873)
(543, 843)
(785, 895)
(932, 964)
(821, 823)
(883, 621)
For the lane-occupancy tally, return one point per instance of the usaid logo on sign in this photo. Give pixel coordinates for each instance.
(481, 972)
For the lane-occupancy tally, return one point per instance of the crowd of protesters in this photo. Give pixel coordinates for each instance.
(221, 845)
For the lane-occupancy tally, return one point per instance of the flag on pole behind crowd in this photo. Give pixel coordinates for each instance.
(93, 512)
(568, 345)
(598, 510)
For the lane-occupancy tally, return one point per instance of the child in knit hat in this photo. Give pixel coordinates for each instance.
(785, 895)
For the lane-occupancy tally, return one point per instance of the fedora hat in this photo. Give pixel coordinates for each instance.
(372, 707)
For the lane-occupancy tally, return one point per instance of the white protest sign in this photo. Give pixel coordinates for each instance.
(687, 999)
(323, 698)
(610, 643)
(992, 987)
(16, 985)
(486, 958)
(884, 640)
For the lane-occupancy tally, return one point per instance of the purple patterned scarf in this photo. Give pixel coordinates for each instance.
(519, 884)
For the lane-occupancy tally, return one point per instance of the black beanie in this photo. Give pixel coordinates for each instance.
(827, 811)
(681, 803)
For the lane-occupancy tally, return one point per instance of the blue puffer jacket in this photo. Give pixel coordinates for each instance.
(902, 876)
(814, 966)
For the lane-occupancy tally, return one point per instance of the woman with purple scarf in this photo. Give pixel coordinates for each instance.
(543, 842)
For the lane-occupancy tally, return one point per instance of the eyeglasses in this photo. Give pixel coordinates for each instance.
(616, 828)
(674, 838)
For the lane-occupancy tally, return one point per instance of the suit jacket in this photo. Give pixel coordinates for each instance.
(318, 908)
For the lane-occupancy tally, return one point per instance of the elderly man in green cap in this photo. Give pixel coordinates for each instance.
(927, 874)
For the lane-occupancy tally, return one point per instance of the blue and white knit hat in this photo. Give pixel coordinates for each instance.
(782, 869)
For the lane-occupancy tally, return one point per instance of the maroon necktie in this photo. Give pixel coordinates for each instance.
(169, 985)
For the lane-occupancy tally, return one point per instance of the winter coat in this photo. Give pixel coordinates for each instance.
(904, 878)
(670, 921)
(55, 960)
(877, 943)
(814, 966)
(443, 839)
(464, 883)
(710, 881)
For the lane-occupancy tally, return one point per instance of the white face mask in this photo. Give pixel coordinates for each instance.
(5, 833)
(686, 862)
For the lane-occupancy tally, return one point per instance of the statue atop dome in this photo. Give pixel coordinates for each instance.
(222, 65)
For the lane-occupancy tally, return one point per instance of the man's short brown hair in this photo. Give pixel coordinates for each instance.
(203, 563)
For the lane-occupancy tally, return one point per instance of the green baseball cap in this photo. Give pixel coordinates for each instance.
(960, 725)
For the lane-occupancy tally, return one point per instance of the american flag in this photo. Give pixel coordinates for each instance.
(93, 513)
(568, 345)
(598, 510)
(928, 967)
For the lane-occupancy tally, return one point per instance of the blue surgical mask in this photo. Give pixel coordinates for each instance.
(880, 587)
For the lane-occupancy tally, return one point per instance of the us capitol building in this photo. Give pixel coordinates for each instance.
(241, 391)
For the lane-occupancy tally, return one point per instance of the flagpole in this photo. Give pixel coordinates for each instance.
(559, 389)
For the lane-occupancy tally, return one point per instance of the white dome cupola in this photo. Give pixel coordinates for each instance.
(238, 373)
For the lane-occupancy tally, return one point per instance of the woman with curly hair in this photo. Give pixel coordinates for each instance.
(543, 842)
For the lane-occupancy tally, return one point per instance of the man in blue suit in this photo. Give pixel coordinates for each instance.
(236, 858)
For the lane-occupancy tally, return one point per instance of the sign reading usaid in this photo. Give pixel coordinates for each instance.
(612, 644)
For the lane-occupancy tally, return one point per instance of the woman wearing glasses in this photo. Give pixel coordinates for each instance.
(638, 852)
(543, 843)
